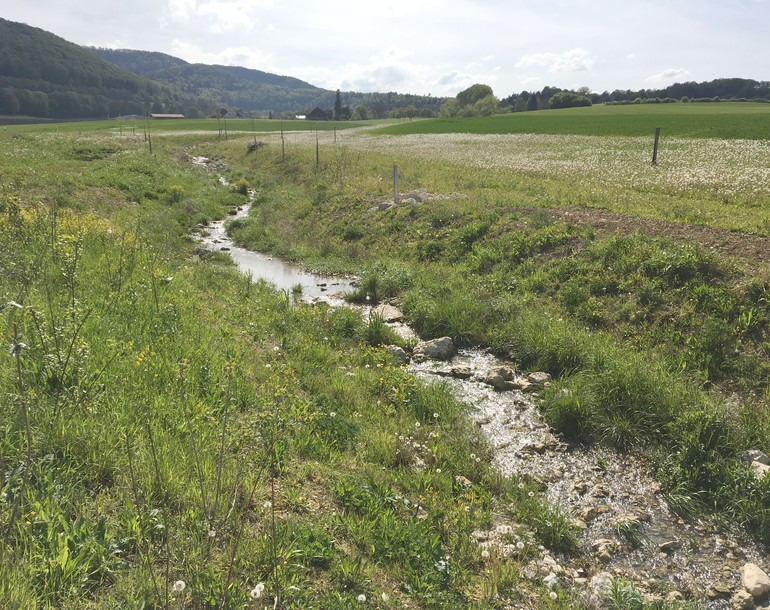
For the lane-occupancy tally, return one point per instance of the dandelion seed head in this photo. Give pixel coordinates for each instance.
(361, 598)
(257, 591)
(553, 596)
(485, 554)
(179, 586)
(385, 597)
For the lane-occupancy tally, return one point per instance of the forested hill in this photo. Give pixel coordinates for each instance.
(43, 75)
(225, 85)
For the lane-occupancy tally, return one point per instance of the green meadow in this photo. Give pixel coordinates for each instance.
(723, 120)
(175, 435)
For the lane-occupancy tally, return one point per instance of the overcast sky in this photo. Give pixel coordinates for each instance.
(436, 47)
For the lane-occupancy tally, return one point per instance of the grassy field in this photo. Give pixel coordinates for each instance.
(218, 126)
(750, 121)
(176, 436)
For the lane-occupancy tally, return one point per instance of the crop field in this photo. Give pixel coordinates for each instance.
(176, 436)
(749, 121)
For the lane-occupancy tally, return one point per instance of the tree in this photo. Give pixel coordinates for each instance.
(360, 113)
(532, 102)
(9, 103)
(568, 99)
(337, 106)
(473, 94)
(486, 106)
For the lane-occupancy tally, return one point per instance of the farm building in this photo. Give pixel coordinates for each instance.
(166, 116)
(316, 114)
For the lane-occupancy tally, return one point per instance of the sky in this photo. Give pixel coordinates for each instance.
(436, 47)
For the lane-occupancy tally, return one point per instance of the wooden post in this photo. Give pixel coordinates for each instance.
(283, 145)
(655, 147)
(317, 156)
(225, 120)
(395, 184)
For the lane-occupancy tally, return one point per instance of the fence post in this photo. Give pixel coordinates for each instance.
(655, 147)
(395, 184)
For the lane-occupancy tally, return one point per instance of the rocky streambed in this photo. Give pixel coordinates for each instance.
(627, 529)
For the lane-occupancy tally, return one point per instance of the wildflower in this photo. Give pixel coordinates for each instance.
(385, 597)
(473, 456)
(267, 504)
(485, 554)
(531, 494)
(179, 586)
(256, 592)
(435, 416)
(361, 599)
(438, 470)
(553, 596)
(333, 414)
(212, 533)
(17, 348)
(416, 424)
(520, 545)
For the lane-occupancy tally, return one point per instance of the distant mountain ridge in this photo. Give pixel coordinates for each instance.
(232, 86)
(43, 75)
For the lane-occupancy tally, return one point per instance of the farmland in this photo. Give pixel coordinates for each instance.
(167, 421)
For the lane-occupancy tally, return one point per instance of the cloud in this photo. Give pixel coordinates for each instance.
(671, 74)
(219, 15)
(574, 60)
(231, 56)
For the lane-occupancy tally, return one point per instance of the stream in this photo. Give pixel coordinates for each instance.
(627, 527)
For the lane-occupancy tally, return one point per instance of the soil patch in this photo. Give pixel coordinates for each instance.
(749, 248)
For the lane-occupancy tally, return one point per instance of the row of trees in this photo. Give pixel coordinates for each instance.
(716, 90)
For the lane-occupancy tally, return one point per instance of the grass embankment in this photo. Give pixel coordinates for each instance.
(648, 336)
(736, 120)
(174, 435)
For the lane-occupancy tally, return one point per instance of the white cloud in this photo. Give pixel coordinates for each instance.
(574, 60)
(671, 74)
(232, 56)
(219, 15)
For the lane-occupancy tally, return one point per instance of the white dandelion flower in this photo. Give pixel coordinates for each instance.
(361, 599)
(179, 586)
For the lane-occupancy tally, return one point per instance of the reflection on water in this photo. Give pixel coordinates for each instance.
(283, 275)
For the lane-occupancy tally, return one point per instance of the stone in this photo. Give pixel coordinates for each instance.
(742, 600)
(755, 455)
(499, 383)
(760, 470)
(538, 378)
(599, 587)
(669, 546)
(435, 349)
(592, 512)
(461, 372)
(755, 580)
(388, 313)
(604, 548)
(397, 353)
